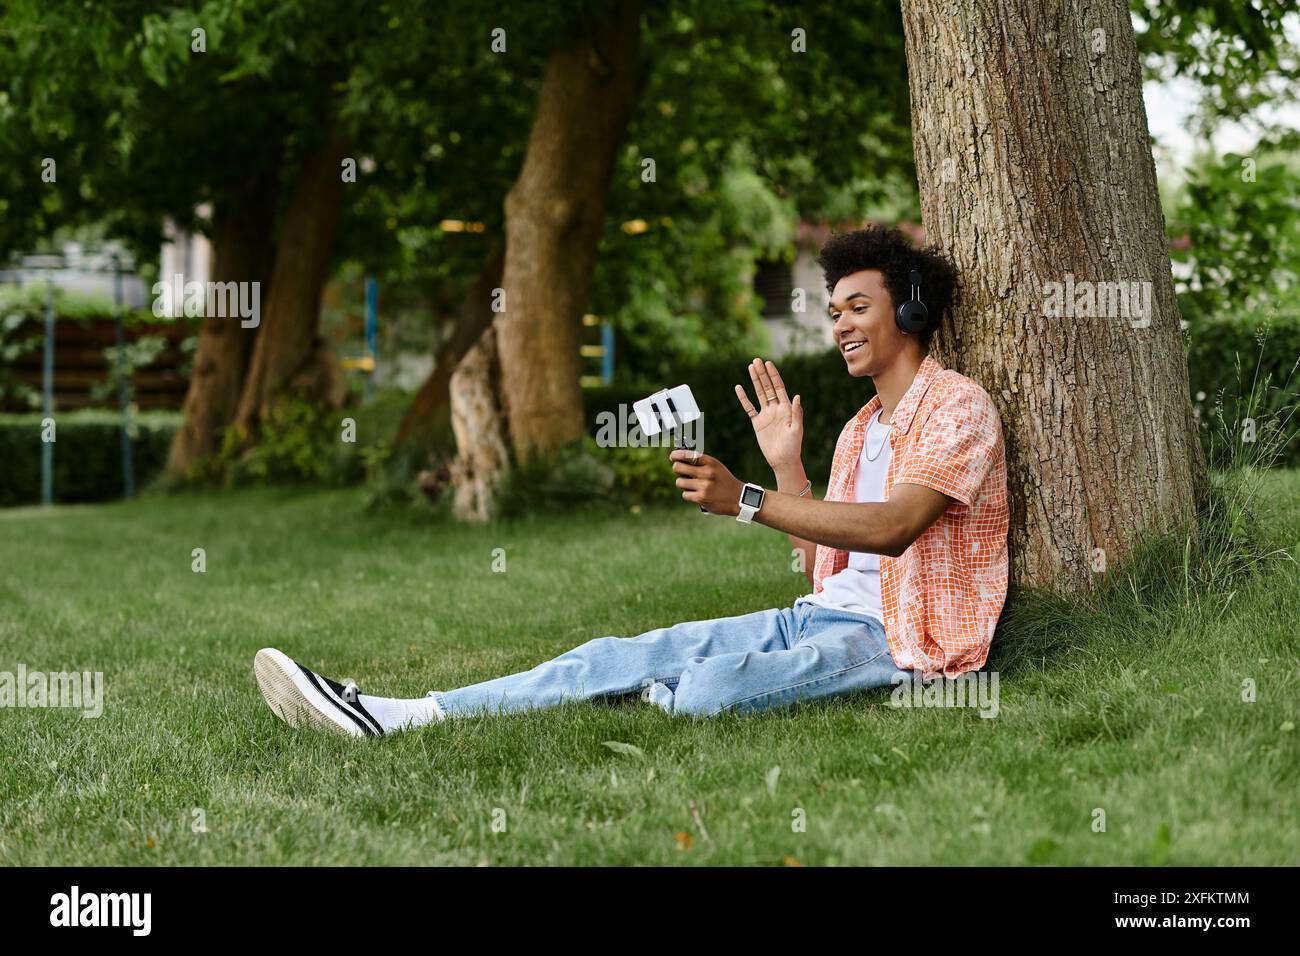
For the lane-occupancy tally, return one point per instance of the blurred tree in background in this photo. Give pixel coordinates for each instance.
(749, 137)
(238, 118)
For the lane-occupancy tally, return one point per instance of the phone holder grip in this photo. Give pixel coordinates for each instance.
(680, 443)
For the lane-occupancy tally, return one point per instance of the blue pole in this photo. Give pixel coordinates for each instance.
(123, 399)
(47, 398)
(607, 359)
(372, 330)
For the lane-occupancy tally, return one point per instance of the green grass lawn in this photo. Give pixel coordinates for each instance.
(1138, 712)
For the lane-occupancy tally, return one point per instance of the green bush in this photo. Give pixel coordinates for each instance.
(296, 443)
(1215, 349)
(1237, 215)
(87, 454)
(1242, 368)
(299, 445)
(642, 474)
(575, 477)
(830, 398)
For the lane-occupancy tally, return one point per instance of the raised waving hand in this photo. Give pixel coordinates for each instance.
(777, 421)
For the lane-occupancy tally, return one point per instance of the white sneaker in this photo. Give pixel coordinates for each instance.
(298, 695)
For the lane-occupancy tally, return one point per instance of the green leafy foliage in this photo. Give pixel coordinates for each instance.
(299, 443)
(296, 443)
(1239, 54)
(17, 339)
(124, 363)
(642, 474)
(1235, 229)
(575, 476)
(749, 136)
(1244, 382)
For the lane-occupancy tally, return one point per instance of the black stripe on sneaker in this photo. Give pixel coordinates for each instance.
(366, 714)
(340, 693)
(351, 716)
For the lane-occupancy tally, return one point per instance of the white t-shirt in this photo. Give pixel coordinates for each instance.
(857, 587)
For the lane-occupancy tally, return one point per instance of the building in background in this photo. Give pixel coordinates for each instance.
(184, 253)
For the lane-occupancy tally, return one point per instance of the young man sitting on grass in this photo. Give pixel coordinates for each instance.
(908, 550)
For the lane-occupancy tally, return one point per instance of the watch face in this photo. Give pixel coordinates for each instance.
(751, 497)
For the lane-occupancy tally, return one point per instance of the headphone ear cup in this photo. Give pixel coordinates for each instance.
(912, 317)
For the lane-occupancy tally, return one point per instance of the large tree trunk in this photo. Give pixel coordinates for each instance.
(1034, 167)
(242, 251)
(290, 355)
(478, 422)
(554, 216)
(429, 414)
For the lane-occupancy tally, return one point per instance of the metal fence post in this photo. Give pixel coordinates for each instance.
(47, 398)
(372, 333)
(128, 473)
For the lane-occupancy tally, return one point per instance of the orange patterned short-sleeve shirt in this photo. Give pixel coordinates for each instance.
(942, 597)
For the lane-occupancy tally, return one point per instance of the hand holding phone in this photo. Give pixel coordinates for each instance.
(669, 409)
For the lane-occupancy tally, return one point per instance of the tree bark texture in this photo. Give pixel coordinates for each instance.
(554, 217)
(290, 355)
(243, 249)
(479, 425)
(1034, 168)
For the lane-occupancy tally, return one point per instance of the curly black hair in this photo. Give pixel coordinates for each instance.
(890, 252)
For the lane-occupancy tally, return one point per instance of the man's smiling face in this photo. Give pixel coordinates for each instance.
(864, 328)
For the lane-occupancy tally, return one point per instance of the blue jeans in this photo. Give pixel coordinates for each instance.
(753, 662)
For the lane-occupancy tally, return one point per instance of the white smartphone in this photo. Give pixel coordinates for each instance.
(666, 409)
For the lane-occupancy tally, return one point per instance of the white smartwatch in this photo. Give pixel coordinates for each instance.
(751, 499)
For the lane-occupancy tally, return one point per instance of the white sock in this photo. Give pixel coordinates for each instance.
(394, 714)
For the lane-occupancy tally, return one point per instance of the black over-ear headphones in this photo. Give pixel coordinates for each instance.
(912, 316)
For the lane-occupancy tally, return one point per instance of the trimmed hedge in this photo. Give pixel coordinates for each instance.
(831, 396)
(88, 465)
(87, 454)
